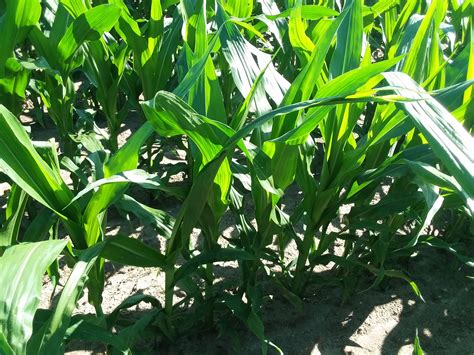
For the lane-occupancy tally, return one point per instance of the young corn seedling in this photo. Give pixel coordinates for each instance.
(72, 26)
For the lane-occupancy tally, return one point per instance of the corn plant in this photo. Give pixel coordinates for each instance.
(353, 103)
(59, 49)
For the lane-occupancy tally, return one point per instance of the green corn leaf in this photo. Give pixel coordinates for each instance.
(40, 226)
(225, 254)
(22, 163)
(343, 85)
(434, 201)
(129, 29)
(417, 350)
(441, 244)
(16, 20)
(196, 70)
(206, 95)
(23, 267)
(4, 347)
(171, 40)
(135, 331)
(137, 176)
(449, 96)
(75, 7)
(416, 41)
(105, 76)
(239, 8)
(240, 54)
(246, 314)
(277, 26)
(303, 86)
(382, 6)
(50, 337)
(148, 52)
(194, 204)
(170, 116)
(168, 3)
(400, 26)
(202, 184)
(348, 51)
(89, 26)
(447, 137)
(14, 214)
(309, 104)
(470, 67)
(84, 330)
(126, 158)
(238, 120)
(284, 151)
(19, 17)
(308, 12)
(162, 221)
(148, 63)
(46, 49)
(302, 44)
(63, 17)
(130, 302)
(130, 251)
(13, 85)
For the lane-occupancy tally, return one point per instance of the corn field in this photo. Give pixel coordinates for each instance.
(275, 115)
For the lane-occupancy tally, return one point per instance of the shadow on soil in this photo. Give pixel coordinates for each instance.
(376, 321)
(380, 321)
